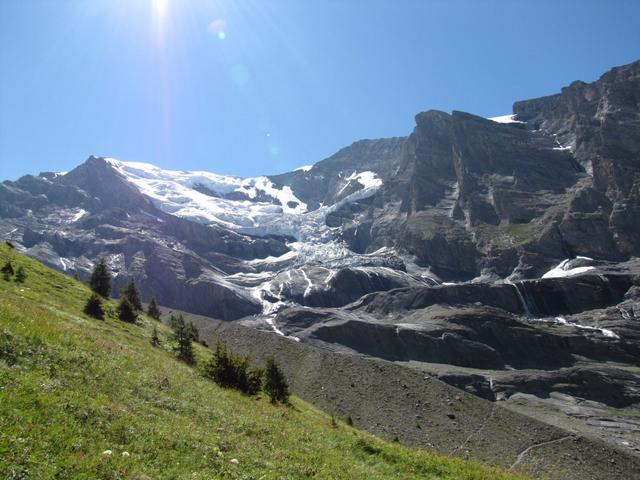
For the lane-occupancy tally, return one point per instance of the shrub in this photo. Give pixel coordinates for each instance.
(153, 311)
(93, 307)
(126, 312)
(131, 293)
(275, 383)
(100, 280)
(367, 447)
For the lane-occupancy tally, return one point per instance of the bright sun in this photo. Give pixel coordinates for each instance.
(160, 8)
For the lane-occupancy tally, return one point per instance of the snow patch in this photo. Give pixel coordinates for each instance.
(64, 263)
(505, 119)
(282, 258)
(566, 268)
(307, 290)
(304, 168)
(367, 179)
(78, 215)
(563, 321)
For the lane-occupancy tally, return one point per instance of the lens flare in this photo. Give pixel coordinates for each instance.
(217, 28)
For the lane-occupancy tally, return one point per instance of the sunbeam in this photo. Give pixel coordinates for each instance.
(159, 10)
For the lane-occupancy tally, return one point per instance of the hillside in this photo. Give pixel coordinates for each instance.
(83, 398)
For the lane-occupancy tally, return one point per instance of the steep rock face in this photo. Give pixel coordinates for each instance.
(467, 193)
(559, 296)
(600, 121)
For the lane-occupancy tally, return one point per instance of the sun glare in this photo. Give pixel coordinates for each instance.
(159, 10)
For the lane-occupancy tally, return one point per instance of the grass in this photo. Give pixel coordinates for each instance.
(522, 233)
(73, 388)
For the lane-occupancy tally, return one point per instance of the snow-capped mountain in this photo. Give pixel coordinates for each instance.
(497, 244)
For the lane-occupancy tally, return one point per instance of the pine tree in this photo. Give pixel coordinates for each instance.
(275, 383)
(7, 271)
(126, 312)
(100, 281)
(194, 332)
(220, 367)
(93, 307)
(131, 293)
(153, 311)
(155, 339)
(21, 275)
(183, 336)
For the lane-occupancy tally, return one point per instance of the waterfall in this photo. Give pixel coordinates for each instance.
(522, 297)
(530, 301)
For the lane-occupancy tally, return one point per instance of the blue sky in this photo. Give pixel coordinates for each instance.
(263, 86)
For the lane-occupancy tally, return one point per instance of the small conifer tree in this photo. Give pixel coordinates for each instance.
(100, 280)
(93, 307)
(153, 311)
(275, 383)
(126, 312)
(194, 332)
(155, 339)
(21, 274)
(182, 335)
(7, 271)
(131, 293)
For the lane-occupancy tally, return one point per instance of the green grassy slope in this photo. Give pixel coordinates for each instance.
(73, 388)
